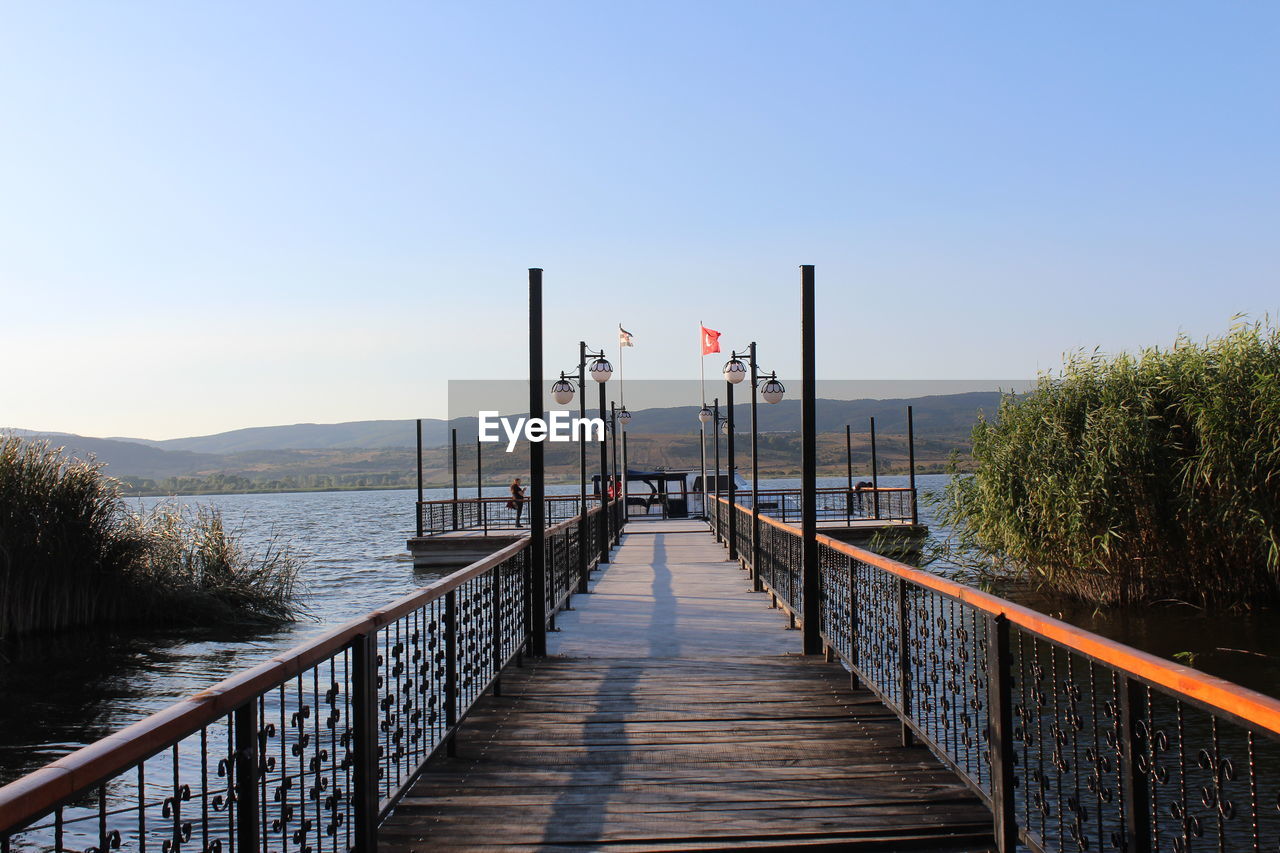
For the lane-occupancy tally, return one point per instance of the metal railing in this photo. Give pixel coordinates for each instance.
(310, 750)
(444, 516)
(838, 504)
(1075, 742)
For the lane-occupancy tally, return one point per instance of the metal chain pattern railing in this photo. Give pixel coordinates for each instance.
(1076, 742)
(307, 752)
(836, 504)
(443, 516)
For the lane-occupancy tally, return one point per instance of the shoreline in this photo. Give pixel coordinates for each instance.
(772, 475)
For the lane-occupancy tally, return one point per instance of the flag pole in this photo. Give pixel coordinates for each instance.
(702, 428)
(702, 366)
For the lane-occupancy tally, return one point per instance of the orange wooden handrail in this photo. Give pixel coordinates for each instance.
(1255, 708)
(38, 792)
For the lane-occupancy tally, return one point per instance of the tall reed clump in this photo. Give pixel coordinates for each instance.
(72, 554)
(1133, 479)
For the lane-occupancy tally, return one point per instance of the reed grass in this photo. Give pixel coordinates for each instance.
(73, 555)
(1136, 478)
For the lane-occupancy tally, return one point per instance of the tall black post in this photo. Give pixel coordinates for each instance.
(848, 475)
(811, 582)
(733, 489)
(537, 478)
(702, 452)
(418, 508)
(454, 450)
(479, 473)
(755, 476)
(613, 423)
(911, 463)
(875, 472)
(848, 456)
(604, 472)
(584, 554)
(715, 428)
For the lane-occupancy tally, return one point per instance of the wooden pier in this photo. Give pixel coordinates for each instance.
(673, 712)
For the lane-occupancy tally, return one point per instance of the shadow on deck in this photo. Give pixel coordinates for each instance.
(673, 713)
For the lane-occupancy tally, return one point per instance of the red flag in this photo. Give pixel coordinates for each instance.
(710, 341)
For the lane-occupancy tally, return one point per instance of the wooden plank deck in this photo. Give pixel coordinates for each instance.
(673, 713)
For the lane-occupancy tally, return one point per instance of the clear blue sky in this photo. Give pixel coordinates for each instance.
(215, 215)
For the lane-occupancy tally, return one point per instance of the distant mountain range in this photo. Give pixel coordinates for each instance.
(360, 454)
(353, 435)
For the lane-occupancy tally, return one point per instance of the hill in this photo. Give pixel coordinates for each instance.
(941, 416)
(128, 457)
(380, 454)
(353, 435)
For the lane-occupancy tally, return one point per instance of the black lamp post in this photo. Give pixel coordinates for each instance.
(772, 390)
(715, 428)
(563, 390)
(734, 372)
(620, 469)
(704, 417)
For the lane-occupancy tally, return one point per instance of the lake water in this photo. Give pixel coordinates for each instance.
(61, 693)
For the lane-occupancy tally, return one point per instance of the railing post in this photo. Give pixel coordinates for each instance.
(1133, 764)
(1000, 733)
(364, 722)
(248, 831)
(904, 661)
(911, 456)
(451, 670)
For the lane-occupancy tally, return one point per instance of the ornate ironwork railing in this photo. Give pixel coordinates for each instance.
(443, 516)
(1075, 742)
(308, 751)
(847, 505)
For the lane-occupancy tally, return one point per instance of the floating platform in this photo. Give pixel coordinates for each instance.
(898, 540)
(460, 548)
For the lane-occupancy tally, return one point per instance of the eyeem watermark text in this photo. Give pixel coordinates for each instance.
(561, 426)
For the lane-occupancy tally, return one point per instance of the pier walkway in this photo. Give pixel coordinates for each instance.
(673, 711)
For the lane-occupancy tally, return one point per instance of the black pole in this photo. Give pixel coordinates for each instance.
(848, 456)
(811, 582)
(875, 472)
(613, 423)
(911, 463)
(479, 473)
(454, 451)
(848, 473)
(715, 428)
(702, 451)
(733, 489)
(755, 476)
(537, 478)
(418, 508)
(584, 559)
(604, 472)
